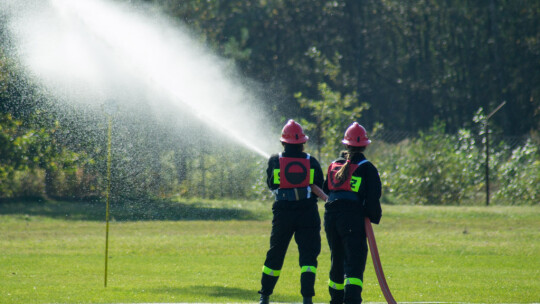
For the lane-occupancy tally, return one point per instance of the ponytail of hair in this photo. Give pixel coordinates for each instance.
(343, 172)
(350, 154)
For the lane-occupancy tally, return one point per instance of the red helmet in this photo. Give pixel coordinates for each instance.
(356, 136)
(292, 133)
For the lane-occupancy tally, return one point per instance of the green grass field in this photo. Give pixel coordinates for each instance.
(54, 253)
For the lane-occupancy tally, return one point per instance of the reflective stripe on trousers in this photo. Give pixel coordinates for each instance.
(271, 272)
(348, 281)
(309, 269)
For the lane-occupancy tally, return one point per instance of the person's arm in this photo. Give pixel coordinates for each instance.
(325, 185)
(270, 172)
(318, 179)
(373, 194)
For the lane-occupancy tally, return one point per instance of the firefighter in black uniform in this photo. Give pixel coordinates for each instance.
(354, 189)
(289, 175)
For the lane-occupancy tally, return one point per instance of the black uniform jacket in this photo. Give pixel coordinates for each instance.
(369, 193)
(273, 163)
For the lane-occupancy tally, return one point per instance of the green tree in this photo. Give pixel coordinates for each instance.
(428, 59)
(331, 112)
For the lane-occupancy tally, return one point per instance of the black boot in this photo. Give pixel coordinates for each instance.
(336, 296)
(264, 299)
(307, 300)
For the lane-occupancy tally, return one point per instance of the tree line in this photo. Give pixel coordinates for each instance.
(427, 68)
(411, 62)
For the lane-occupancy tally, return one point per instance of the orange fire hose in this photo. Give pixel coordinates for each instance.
(372, 247)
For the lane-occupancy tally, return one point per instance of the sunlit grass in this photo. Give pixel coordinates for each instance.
(447, 254)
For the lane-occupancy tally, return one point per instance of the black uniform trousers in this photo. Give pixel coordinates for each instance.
(301, 219)
(346, 235)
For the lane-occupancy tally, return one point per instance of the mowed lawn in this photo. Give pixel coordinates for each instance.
(54, 253)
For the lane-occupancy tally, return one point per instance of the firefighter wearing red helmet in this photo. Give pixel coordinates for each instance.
(354, 189)
(295, 212)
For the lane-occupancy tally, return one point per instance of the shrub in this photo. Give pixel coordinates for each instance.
(435, 168)
(519, 177)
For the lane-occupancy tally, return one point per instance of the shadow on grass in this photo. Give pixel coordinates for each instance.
(217, 292)
(159, 210)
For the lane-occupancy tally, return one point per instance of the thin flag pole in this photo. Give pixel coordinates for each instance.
(109, 154)
(486, 131)
(110, 108)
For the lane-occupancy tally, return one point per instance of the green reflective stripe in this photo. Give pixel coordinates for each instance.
(276, 176)
(309, 269)
(353, 281)
(355, 183)
(311, 176)
(271, 272)
(335, 285)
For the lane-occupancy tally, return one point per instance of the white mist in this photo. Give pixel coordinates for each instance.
(95, 50)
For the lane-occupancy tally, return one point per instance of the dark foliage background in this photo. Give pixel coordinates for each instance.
(413, 62)
(420, 75)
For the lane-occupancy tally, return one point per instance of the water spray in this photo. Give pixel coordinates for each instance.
(83, 51)
(160, 72)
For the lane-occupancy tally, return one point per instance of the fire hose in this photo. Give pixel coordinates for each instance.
(372, 247)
